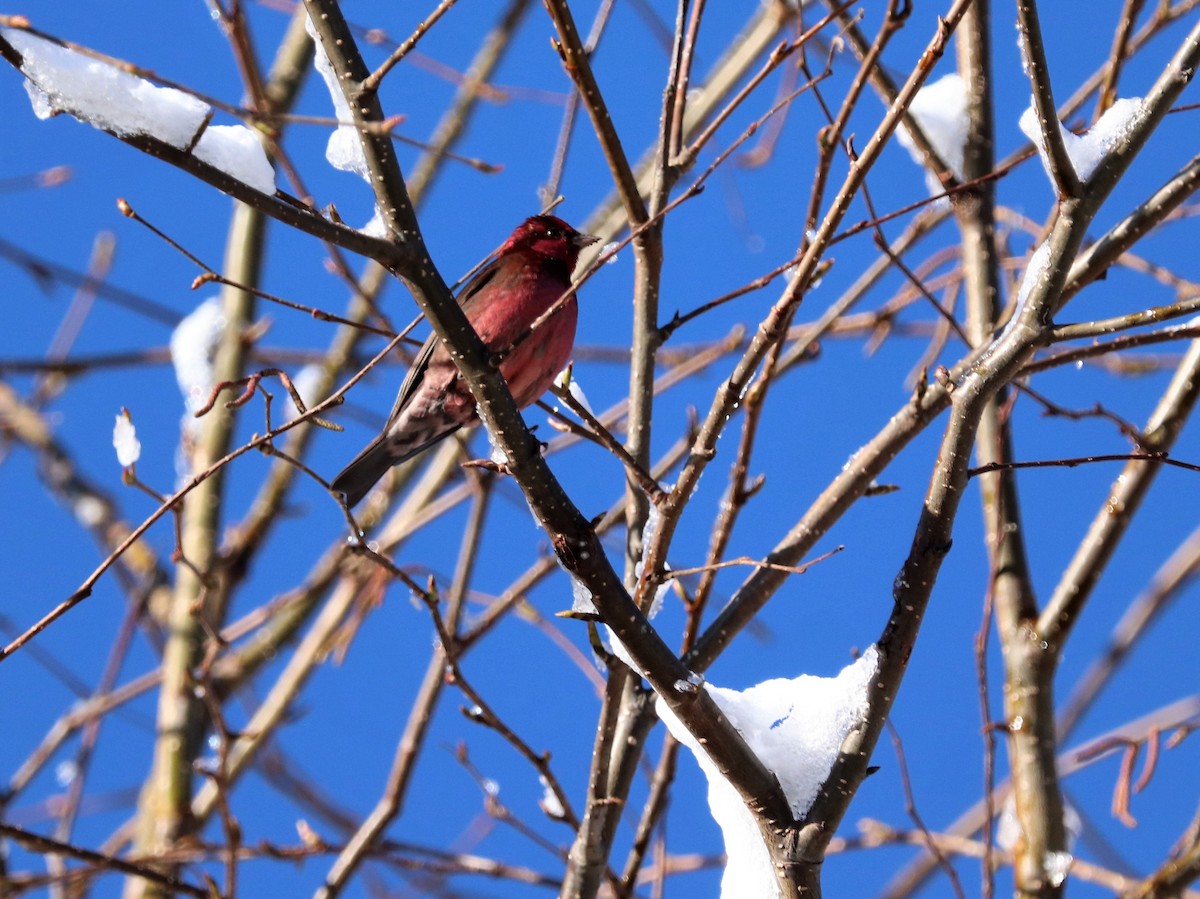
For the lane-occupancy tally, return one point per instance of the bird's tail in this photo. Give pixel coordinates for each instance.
(361, 474)
(381, 454)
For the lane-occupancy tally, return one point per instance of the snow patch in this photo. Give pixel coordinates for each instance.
(236, 151)
(193, 345)
(581, 597)
(1089, 149)
(344, 150)
(376, 227)
(796, 728)
(550, 803)
(940, 109)
(60, 80)
(1035, 272)
(125, 441)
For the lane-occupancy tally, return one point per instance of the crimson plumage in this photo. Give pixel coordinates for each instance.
(530, 273)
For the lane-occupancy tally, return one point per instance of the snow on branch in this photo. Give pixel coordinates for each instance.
(940, 109)
(61, 80)
(236, 151)
(1086, 151)
(193, 345)
(344, 150)
(796, 728)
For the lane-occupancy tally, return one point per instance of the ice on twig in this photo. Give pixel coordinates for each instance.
(125, 441)
(690, 684)
(1035, 273)
(1087, 150)
(1008, 826)
(653, 516)
(796, 728)
(60, 80)
(940, 109)
(581, 597)
(566, 378)
(376, 227)
(550, 803)
(1057, 866)
(344, 150)
(660, 594)
(617, 645)
(648, 529)
(498, 455)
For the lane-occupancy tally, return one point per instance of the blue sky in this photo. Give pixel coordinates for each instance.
(747, 221)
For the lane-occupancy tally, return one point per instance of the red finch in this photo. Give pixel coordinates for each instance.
(529, 274)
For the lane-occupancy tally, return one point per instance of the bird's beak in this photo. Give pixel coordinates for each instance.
(583, 240)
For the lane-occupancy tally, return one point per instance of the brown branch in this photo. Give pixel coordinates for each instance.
(100, 860)
(1033, 52)
(1118, 55)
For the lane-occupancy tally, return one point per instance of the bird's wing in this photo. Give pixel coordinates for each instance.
(482, 277)
(412, 380)
(416, 373)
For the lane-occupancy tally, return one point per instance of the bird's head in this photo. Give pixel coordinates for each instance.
(548, 236)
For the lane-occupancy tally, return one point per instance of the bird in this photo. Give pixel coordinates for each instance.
(528, 275)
